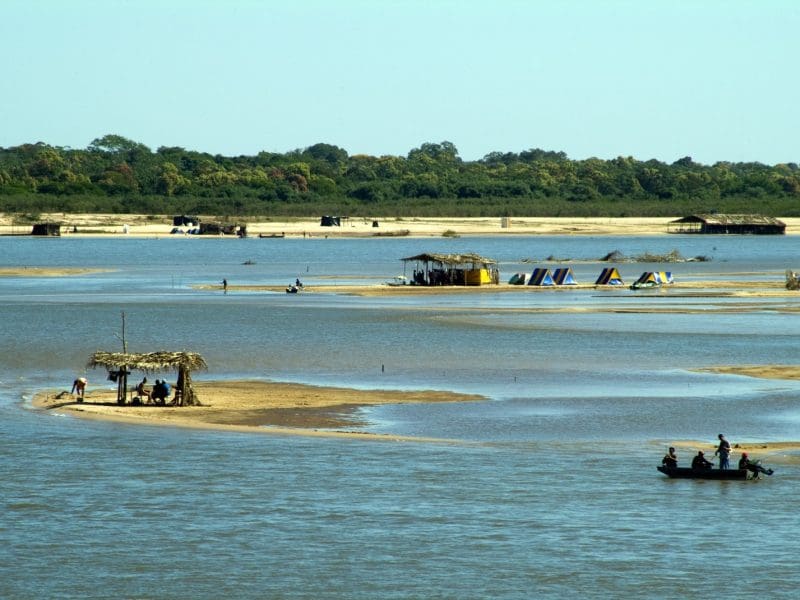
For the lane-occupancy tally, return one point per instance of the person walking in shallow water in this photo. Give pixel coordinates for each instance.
(224, 286)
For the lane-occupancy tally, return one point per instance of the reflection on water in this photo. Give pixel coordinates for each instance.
(548, 488)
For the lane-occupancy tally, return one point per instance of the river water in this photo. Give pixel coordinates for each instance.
(547, 489)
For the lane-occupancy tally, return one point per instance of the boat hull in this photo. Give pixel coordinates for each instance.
(689, 473)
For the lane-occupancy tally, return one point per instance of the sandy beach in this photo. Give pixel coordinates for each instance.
(155, 226)
(161, 225)
(252, 406)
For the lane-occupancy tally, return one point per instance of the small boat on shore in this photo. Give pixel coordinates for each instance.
(689, 473)
(271, 235)
(398, 280)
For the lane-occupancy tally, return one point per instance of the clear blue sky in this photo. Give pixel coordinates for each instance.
(715, 80)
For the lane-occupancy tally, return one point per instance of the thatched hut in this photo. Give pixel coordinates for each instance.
(119, 363)
(723, 223)
(453, 269)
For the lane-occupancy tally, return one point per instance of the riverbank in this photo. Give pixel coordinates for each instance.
(162, 226)
(254, 407)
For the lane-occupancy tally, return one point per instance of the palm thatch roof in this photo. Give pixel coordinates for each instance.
(149, 361)
(728, 219)
(452, 259)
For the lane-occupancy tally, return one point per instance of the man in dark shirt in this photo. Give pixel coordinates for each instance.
(700, 462)
(670, 460)
(752, 466)
(724, 451)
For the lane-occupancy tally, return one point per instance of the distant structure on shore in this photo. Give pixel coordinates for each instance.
(47, 229)
(727, 224)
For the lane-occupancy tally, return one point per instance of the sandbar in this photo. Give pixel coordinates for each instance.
(774, 450)
(254, 406)
(696, 288)
(763, 371)
(46, 271)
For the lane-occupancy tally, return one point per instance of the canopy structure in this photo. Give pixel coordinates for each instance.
(454, 269)
(119, 363)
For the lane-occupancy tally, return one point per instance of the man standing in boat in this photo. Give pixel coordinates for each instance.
(724, 451)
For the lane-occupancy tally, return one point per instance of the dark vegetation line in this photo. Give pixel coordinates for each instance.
(117, 175)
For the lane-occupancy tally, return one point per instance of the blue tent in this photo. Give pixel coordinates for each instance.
(609, 276)
(541, 276)
(564, 276)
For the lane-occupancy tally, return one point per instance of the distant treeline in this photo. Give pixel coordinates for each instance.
(117, 175)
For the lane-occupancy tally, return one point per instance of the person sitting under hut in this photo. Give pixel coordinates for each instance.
(161, 391)
(142, 391)
(700, 462)
(752, 466)
(670, 460)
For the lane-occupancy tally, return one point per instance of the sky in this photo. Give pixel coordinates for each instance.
(651, 79)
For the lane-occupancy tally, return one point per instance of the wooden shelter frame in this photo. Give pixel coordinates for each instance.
(120, 363)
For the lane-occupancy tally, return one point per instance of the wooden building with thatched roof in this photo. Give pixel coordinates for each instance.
(453, 269)
(119, 365)
(732, 224)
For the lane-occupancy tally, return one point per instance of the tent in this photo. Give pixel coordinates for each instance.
(609, 276)
(518, 279)
(541, 276)
(653, 279)
(564, 276)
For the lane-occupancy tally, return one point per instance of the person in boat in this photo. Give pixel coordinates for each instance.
(752, 465)
(724, 451)
(670, 460)
(700, 462)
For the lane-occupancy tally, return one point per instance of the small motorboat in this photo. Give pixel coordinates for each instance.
(398, 280)
(689, 473)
